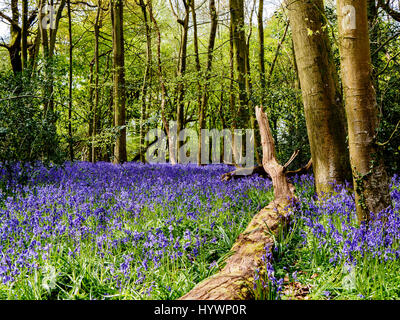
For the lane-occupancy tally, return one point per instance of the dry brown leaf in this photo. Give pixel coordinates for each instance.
(286, 279)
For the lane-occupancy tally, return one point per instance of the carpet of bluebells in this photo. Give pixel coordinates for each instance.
(326, 251)
(100, 231)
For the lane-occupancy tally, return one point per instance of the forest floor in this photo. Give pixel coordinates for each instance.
(99, 231)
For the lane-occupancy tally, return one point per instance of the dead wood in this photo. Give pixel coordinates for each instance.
(235, 280)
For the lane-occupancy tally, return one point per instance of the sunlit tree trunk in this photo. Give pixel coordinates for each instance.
(371, 182)
(241, 56)
(232, 97)
(90, 116)
(261, 54)
(196, 50)
(204, 98)
(146, 80)
(120, 154)
(180, 92)
(242, 116)
(171, 149)
(323, 107)
(70, 74)
(48, 39)
(96, 111)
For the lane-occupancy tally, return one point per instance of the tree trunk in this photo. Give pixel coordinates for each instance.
(232, 100)
(146, 81)
(90, 120)
(96, 111)
(235, 280)
(171, 147)
(261, 54)
(24, 34)
(242, 115)
(14, 47)
(371, 182)
(120, 155)
(70, 74)
(196, 51)
(180, 92)
(322, 98)
(204, 98)
(241, 57)
(48, 45)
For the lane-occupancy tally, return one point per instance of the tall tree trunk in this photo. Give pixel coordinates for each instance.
(14, 47)
(24, 33)
(196, 49)
(204, 97)
(373, 25)
(70, 74)
(146, 81)
(199, 75)
(261, 54)
(90, 120)
(180, 92)
(48, 44)
(371, 182)
(241, 57)
(241, 52)
(120, 155)
(232, 96)
(171, 142)
(324, 111)
(96, 111)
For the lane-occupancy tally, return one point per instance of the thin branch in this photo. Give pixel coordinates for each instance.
(386, 7)
(11, 21)
(292, 158)
(388, 63)
(391, 136)
(385, 43)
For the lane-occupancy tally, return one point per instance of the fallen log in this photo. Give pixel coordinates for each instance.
(244, 172)
(240, 173)
(235, 280)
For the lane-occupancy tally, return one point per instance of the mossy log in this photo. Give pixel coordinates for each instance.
(235, 280)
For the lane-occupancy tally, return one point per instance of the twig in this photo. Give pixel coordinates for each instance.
(391, 136)
(292, 158)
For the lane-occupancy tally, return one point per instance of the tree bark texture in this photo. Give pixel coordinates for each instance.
(204, 98)
(171, 147)
(323, 107)
(146, 80)
(371, 181)
(96, 111)
(120, 155)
